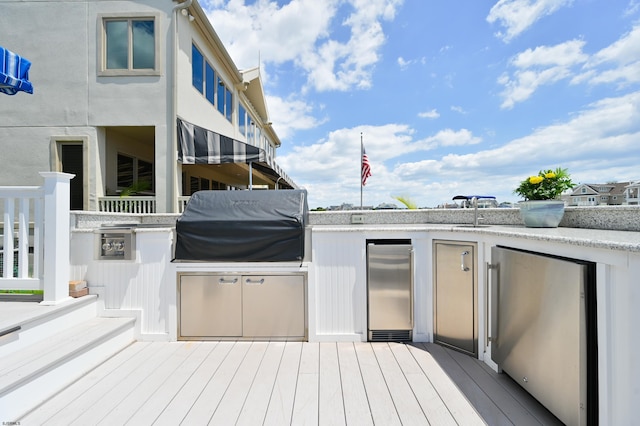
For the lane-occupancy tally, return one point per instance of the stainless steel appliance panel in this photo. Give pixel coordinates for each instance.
(390, 292)
(273, 306)
(210, 305)
(455, 296)
(538, 329)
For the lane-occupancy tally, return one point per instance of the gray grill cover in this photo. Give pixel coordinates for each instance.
(243, 226)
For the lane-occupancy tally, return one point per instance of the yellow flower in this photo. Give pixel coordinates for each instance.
(550, 175)
(535, 179)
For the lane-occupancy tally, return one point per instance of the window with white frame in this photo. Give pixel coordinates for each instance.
(129, 46)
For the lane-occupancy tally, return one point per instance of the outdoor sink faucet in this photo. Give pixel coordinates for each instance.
(473, 199)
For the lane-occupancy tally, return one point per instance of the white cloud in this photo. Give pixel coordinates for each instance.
(291, 114)
(543, 65)
(429, 114)
(632, 8)
(458, 109)
(516, 16)
(616, 63)
(279, 35)
(576, 144)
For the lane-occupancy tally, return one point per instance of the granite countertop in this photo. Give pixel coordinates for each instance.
(594, 238)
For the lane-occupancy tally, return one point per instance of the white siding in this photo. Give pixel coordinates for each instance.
(146, 284)
(339, 287)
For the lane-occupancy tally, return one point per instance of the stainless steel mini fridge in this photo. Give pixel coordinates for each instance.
(390, 290)
(544, 330)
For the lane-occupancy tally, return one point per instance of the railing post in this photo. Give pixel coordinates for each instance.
(56, 237)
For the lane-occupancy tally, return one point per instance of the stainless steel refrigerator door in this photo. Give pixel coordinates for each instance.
(210, 306)
(389, 287)
(538, 332)
(273, 306)
(455, 294)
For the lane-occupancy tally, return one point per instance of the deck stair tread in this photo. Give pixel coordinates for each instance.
(29, 314)
(24, 365)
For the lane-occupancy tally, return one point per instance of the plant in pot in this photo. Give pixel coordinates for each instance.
(542, 207)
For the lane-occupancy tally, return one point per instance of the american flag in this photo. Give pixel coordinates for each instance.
(366, 168)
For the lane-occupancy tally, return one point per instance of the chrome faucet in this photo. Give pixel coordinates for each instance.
(474, 203)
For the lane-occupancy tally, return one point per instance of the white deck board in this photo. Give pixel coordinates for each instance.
(330, 402)
(432, 405)
(354, 395)
(381, 404)
(404, 400)
(165, 393)
(141, 394)
(453, 398)
(207, 403)
(95, 378)
(234, 398)
(280, 407)
(257, 401)
(305, 406)
(279, 383)
(180, 405)
(124, 387)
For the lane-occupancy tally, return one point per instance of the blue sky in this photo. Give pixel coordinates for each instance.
(450, 97)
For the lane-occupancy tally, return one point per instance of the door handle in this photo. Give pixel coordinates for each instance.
(249, 281)
(462, 266)
(226, 281)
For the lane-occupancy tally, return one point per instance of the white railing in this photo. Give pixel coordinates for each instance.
(22, 232)
(182, 202)
(35, 223)
(133, 204)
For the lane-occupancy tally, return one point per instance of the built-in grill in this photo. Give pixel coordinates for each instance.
(263, 303)
(243, 226)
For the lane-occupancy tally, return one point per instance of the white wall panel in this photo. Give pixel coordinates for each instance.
(146, 284)
(339, 286)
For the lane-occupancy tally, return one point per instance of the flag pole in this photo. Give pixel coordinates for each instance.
(361, 159)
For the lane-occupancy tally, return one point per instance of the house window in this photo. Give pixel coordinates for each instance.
(584, 190)
(225, 100)
(203, 76)
(210, 87)
(197, 67)
(134, 171)
(242, 120)
(129, 46)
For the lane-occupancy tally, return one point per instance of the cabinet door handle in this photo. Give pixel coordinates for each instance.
(462, 255)
(226, 281)
(254, 282)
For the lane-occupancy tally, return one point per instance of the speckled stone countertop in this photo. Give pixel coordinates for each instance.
(605, 227)
(593, 238)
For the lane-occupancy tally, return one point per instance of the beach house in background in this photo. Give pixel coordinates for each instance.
(135, 98)
(608, 194)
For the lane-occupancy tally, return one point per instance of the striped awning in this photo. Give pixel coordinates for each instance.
(197, 145)
(14, 73)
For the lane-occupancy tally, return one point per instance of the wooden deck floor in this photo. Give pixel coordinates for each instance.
(278, 383)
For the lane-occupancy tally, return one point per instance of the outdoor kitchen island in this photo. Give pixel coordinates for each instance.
(336, 282)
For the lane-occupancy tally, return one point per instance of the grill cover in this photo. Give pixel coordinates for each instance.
(265, 226)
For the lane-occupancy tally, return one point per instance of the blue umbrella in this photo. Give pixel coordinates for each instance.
(14, 73)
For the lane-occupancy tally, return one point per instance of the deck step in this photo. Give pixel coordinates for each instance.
(32, 374)
(23, 324)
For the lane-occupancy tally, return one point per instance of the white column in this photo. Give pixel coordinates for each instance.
(56, 237)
